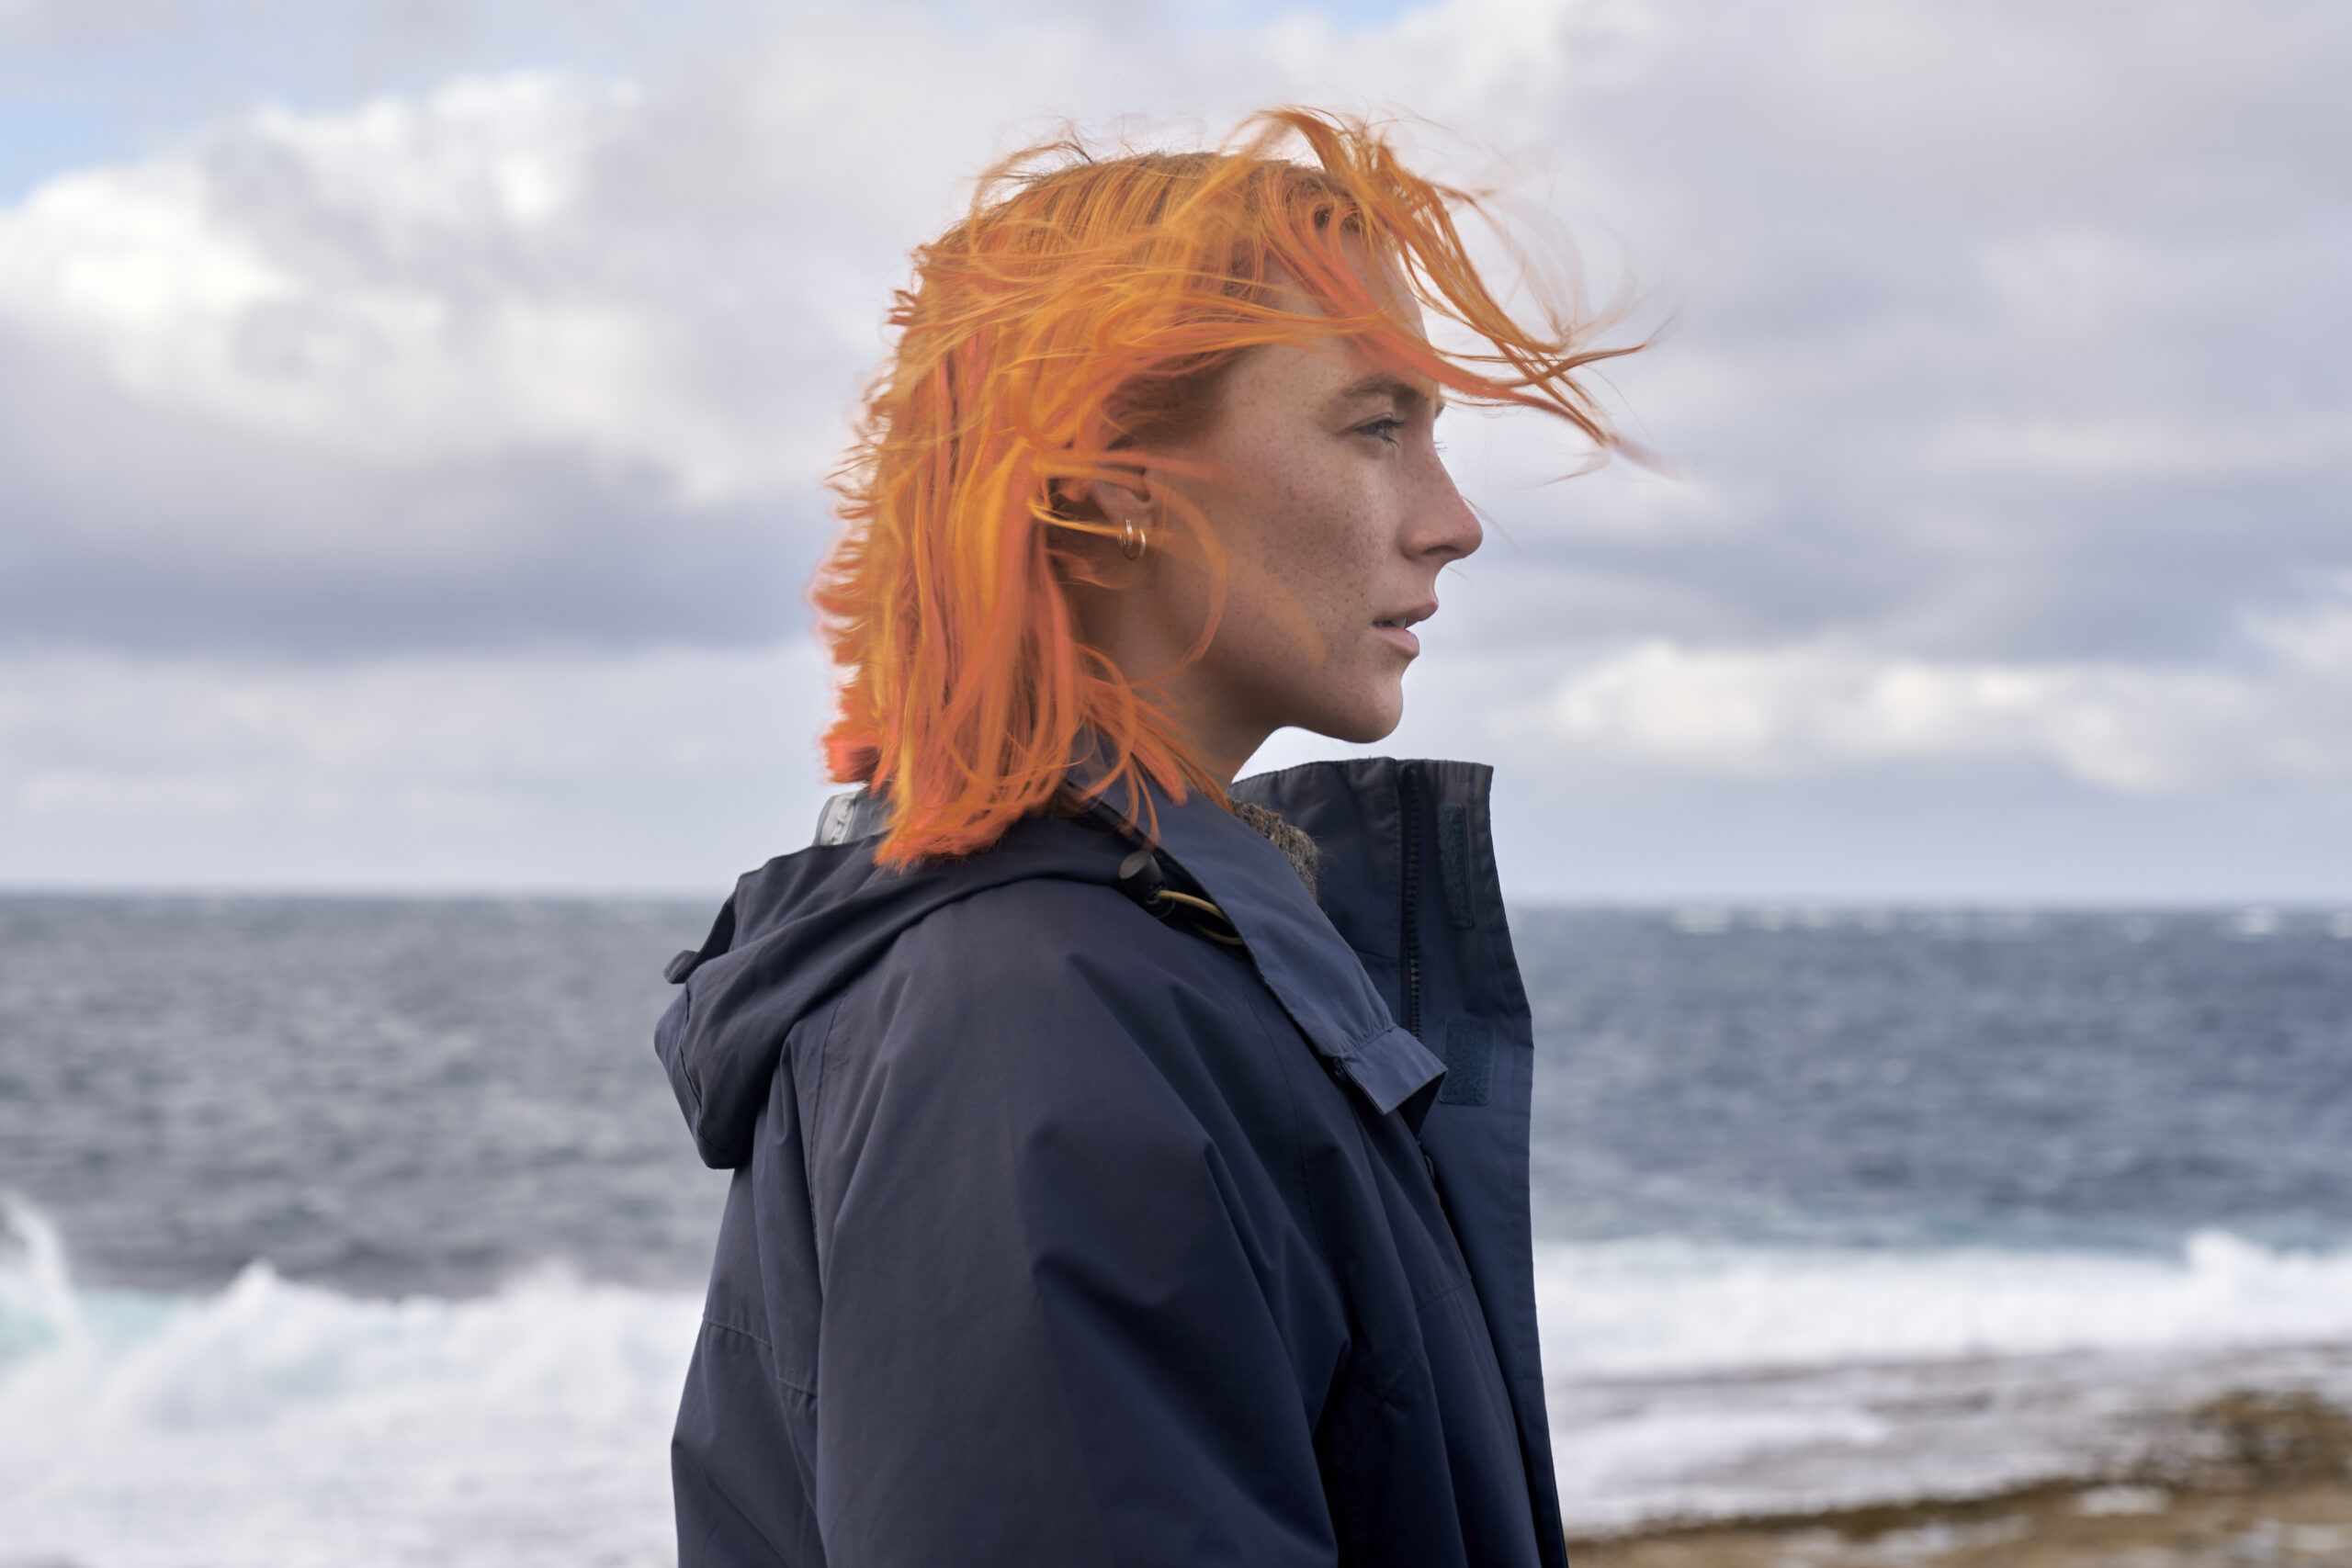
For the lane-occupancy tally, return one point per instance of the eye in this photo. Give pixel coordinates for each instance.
(1384, 429)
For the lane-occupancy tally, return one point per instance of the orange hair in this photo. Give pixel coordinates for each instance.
(1082, 312)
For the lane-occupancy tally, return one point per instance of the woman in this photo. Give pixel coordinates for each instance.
(1131, 1166)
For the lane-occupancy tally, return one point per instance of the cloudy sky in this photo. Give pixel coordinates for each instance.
(413, 416)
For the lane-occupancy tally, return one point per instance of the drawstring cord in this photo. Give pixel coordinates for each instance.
(1141, 879)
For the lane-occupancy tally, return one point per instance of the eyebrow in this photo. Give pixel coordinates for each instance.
(1387, 384)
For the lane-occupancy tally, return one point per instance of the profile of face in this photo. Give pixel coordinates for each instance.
(1318, 473)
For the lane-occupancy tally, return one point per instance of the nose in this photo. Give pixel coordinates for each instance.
(1442, 527)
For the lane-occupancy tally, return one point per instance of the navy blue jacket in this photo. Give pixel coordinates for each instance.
(1061, 1232)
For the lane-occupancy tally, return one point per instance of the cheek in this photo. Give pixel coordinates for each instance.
(1319, 542)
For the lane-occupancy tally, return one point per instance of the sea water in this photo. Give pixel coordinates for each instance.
(358, 1233)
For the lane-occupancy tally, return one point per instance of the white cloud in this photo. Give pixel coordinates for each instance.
(2004, 374)
(667, 768)
(1812, 708)
(1923, 258)
(410, 282)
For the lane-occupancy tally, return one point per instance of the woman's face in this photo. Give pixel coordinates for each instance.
(1335, 514)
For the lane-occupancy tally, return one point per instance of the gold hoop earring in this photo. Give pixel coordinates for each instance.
(1133, 540)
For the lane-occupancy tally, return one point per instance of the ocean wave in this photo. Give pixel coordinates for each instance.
(1689, 1380)
(1665, 1306)
(274, 1422)
(278, 1424)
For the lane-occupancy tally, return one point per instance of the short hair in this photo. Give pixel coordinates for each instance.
(1082, 312)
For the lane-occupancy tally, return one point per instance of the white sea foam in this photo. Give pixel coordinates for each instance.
(275, 1424)
(1657, 1306)
(1687, 1379)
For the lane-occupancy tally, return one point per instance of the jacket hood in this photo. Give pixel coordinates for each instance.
(799, 928)
(804, 925)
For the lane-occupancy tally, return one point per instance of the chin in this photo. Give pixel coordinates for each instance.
(1360, 723)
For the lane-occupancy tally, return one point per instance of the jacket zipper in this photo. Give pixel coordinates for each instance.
(1409, 940)
(1409, 803)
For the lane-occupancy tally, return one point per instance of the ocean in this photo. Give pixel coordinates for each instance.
(364, 1231)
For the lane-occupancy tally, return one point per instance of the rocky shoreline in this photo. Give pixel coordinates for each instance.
(2248, 1478)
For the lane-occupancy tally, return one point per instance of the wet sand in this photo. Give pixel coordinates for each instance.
(2250, 1478)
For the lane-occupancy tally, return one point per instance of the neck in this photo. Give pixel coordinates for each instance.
(1220, 733)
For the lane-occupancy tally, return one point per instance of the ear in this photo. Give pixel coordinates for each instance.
(1120, 501)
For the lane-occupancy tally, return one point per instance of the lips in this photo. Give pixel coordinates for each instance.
(1396, 629)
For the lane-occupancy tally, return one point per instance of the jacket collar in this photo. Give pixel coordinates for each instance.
(1302, 958)
(1410, 883)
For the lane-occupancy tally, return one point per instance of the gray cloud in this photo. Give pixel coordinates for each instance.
(2003, 377)
(401, 378)
(1999, 334)
(2003, 331)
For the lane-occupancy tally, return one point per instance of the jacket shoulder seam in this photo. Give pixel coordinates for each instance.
(737, 1330)
(741, 1333)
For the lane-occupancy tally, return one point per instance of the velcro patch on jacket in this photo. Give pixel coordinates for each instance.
(1469, 1062)
(1453, 861)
